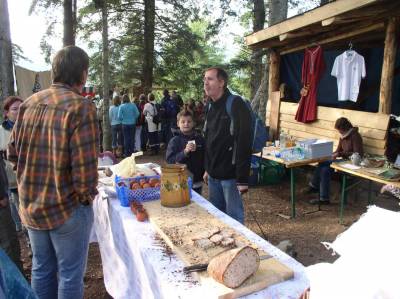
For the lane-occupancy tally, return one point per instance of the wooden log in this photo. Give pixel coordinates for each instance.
(329, 21)
(329, 125)
(275, 100)
(389, 59)
(375, 120)
(273, 86)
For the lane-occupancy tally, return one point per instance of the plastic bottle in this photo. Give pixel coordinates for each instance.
(282, 140)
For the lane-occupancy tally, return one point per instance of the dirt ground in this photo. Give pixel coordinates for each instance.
(262, 206)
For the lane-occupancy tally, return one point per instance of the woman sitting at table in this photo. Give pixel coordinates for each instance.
(350, 142)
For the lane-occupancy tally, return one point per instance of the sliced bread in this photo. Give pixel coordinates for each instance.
(234, 266)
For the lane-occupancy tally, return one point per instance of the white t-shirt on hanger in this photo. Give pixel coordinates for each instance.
(349, 68)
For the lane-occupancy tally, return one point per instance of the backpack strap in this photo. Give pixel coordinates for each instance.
(228, 107)
(229, 102)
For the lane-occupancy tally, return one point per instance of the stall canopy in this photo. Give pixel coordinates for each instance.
(372, 28)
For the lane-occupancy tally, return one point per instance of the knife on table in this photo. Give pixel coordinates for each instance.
(203, 267)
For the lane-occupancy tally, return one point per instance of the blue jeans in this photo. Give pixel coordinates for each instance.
(116, 135)
(322, 179)
(225, 196)
(128, 131)
(61, 253)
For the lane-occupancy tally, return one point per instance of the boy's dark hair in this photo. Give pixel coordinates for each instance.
(221, 74)
(68, 65)
(343, 124)
(184, 113)
(166, 92)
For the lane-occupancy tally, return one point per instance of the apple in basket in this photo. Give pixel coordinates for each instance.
(153, 182)
(135, 185)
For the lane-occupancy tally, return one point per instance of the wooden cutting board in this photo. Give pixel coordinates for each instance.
(177, 226)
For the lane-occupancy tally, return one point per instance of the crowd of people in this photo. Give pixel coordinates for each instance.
(49, 149)
(145, 124)
(49, 156)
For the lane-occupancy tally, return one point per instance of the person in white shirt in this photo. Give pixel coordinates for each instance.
(150, 112)
(349, 68)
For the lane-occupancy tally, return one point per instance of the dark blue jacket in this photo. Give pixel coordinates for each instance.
(194, 160)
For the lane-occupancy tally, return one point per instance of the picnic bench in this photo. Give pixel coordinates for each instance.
(373, 128)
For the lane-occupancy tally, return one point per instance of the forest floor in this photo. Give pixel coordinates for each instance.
(264, 206)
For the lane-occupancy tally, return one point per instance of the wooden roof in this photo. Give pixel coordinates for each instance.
(334, 25)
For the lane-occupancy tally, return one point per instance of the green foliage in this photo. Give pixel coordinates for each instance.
(18, 54)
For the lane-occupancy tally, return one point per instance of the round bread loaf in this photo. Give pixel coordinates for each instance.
(233, 267)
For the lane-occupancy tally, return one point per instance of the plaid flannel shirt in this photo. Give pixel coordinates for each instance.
(54, 144)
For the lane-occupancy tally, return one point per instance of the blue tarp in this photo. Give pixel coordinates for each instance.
(290, 70)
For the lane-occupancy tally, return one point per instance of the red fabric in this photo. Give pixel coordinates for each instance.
(313, 67)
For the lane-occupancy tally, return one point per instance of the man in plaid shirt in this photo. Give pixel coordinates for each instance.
(54, 147)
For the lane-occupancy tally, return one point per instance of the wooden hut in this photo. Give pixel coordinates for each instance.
(363, 22)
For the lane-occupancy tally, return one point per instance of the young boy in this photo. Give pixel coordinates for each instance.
(188, 148)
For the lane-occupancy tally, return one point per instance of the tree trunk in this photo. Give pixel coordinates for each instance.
(277, 13)
(6, 67)
(148, 51)
(106, 81)
(278, 10)
(256, 56)
(69, 22)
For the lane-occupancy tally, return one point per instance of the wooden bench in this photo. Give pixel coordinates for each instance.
(372, 126)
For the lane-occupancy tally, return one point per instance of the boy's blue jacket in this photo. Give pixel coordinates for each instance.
(194, 160)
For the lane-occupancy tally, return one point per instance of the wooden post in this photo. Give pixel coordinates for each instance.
(273, 86)
(389, 58)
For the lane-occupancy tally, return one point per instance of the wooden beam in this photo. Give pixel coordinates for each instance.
(389, 59)
(334, 38)
(275, 100)
(329, 21)
(314, 16)
(283, 36)
(274, 93)
(274, 67)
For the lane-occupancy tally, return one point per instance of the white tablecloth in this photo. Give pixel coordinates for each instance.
(135, 265)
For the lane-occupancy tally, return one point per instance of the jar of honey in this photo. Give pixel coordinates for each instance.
(174, 191)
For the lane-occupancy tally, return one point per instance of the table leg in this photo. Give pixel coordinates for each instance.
(293, 192)
(343, 197)
(369, 192)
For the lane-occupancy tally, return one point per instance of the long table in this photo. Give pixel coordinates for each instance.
(291, 165)
(361, 173)
(137, 265)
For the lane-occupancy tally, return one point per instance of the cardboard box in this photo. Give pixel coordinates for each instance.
(316, 148)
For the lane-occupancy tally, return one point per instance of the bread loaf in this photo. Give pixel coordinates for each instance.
(233, 267)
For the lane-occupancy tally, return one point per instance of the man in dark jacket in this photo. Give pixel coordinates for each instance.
(8, 235)
(227, 157)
